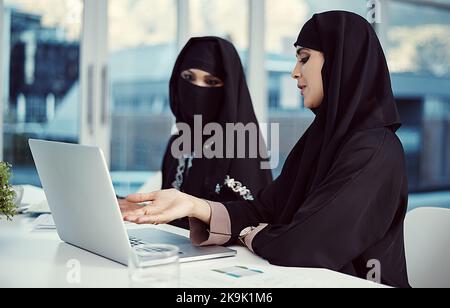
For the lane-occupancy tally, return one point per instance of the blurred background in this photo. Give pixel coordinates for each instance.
(97, 72)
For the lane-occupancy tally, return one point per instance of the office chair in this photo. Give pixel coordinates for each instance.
(427, 245)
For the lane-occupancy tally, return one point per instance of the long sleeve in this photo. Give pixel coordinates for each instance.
(217, 233)
(356, 213)
(248, 240)
(219, 230)
(354, 216)
(357, 205)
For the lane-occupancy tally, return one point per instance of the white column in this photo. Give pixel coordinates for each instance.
(183, 27)
(382, 27)
(5, 54)
(87, 66)
(1, 79)
(29, 38)
(103, 128)
(432, 164)
(256, 71)
(94, 105)
(21, 110)
(50, 104)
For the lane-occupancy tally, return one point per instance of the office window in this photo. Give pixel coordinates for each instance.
(228, 19)
(41, 49)
(418, 54)
(142, 44)
(425, 136)
(283, 24)
(418, 39)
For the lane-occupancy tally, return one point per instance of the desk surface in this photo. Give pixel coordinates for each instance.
(31, 258)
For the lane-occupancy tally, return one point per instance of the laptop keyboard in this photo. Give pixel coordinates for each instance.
(136, 242)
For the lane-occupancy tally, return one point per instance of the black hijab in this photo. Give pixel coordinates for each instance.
(357, 96)
(228, 104)
(342, 195)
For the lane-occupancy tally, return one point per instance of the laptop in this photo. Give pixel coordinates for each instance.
(85, 209)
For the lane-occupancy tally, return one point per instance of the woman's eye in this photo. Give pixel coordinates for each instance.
(304, 60)
(188, 77)
(212, 82)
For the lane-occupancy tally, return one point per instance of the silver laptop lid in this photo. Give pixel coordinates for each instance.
(81, 197)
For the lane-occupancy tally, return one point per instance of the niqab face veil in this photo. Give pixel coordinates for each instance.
(196, 100)
(228, 104)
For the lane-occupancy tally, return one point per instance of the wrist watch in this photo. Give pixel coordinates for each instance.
(244, 233)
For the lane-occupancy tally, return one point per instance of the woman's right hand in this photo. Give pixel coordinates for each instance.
(163, 207)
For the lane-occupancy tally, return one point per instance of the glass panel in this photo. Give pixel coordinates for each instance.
(447, 2)
(41, 79)
(212, 17)
(418, 51)
(425, 135)
(142, 55)
(418, 40)
(418, 48)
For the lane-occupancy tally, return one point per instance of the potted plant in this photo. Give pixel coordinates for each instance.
(7, 194)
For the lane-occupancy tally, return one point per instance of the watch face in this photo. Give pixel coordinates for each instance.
(246, 231)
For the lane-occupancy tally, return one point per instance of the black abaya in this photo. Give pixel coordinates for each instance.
(342, 196)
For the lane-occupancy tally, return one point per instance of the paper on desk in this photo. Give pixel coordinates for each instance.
(271, 277)
(264, 277)
(32, 194)
(44, 222)
(39, 208)
(33, 200)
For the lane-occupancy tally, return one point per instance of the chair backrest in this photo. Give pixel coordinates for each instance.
(427, 245)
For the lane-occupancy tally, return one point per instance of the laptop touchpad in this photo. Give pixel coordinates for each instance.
(154, 236)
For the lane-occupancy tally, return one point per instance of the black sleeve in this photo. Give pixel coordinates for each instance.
(167, 158)
(251, 213)
(252, 179)
(351, 209)
(350, 212)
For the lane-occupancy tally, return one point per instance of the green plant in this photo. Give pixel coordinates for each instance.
(7, 194)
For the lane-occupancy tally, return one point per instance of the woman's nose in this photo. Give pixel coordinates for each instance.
(296, 73)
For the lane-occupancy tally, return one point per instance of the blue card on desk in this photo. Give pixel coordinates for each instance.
(238, 271)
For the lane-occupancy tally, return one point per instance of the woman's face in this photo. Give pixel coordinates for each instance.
(201, 78)
(308, 73)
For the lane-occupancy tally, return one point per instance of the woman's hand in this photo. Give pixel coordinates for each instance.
(126, 206)
(164, 206)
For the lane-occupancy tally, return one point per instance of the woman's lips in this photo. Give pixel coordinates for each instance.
(302, 89)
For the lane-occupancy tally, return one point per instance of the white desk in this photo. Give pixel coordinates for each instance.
(39, 259)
